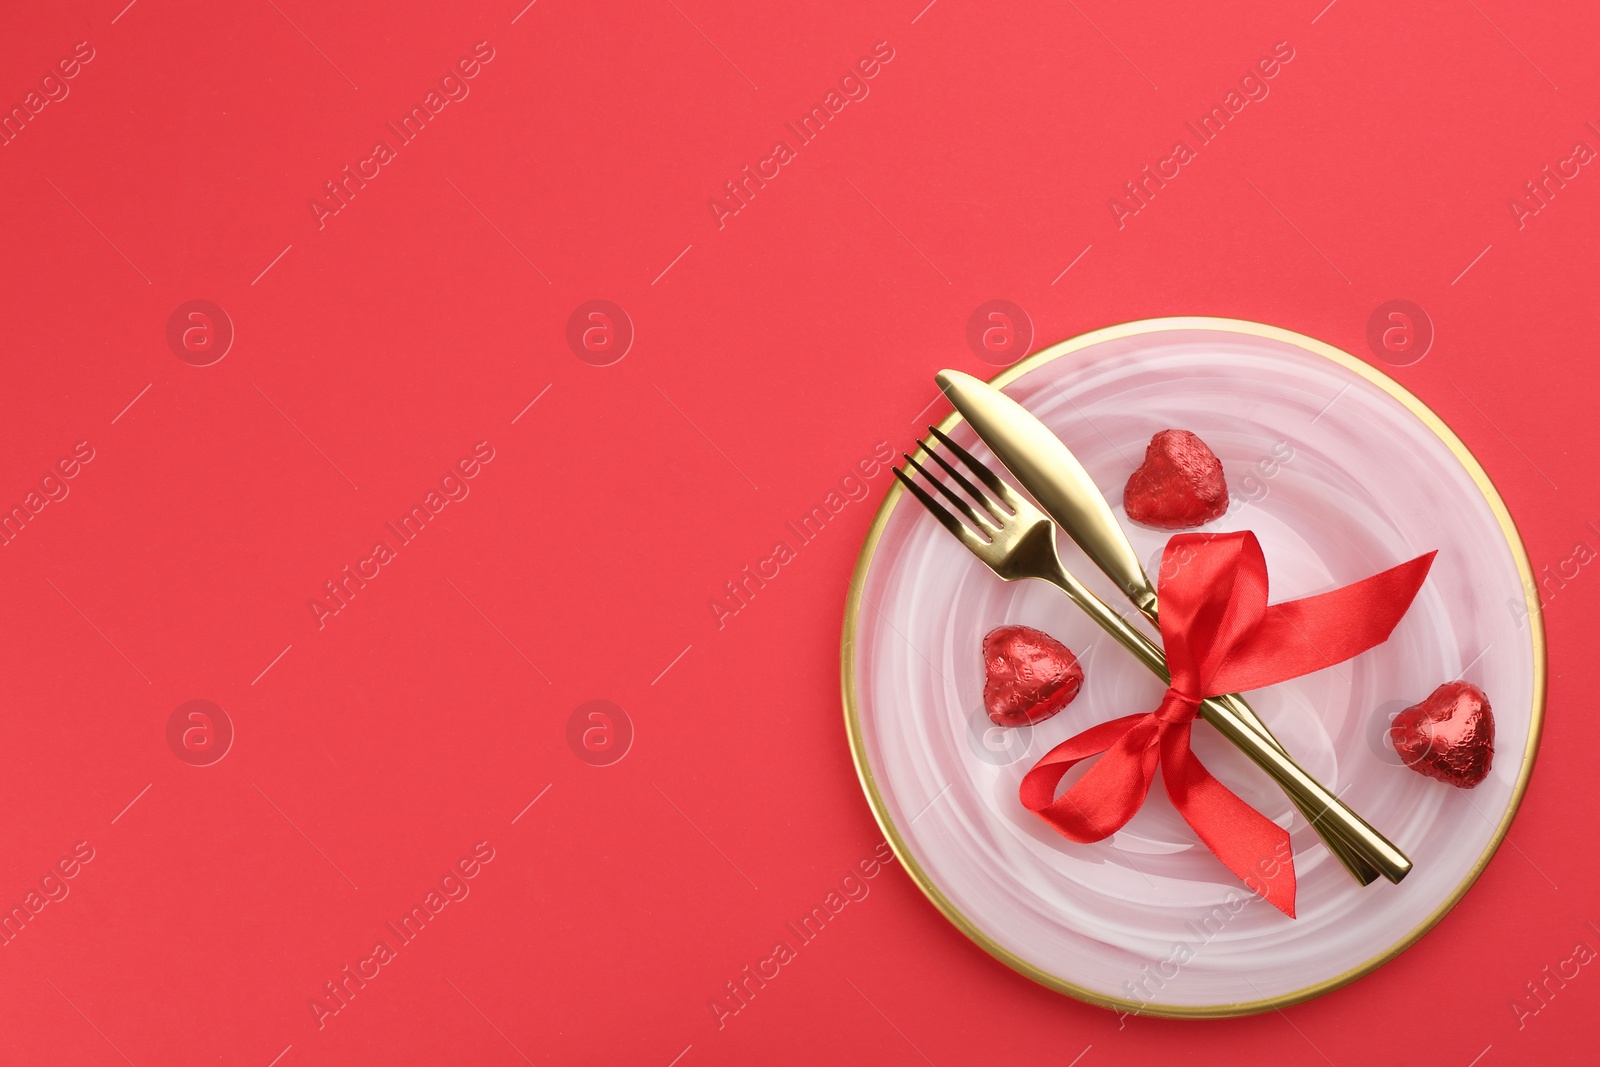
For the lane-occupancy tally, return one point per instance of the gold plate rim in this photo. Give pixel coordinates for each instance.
(1485, 486)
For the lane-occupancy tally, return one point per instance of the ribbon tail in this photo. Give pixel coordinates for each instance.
(1253, 847)
(1103, 800)
(1300, 636)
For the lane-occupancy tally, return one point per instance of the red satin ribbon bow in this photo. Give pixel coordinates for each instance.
(1220, 637)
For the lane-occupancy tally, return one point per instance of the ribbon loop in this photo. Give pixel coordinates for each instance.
(1220, 637)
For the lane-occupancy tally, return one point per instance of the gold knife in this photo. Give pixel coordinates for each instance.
(1050, 472)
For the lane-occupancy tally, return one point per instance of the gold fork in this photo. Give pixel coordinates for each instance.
(1018, 541)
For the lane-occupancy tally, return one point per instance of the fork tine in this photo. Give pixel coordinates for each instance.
(973, 491)
(946, 519)
(980, 521)
(985, 475)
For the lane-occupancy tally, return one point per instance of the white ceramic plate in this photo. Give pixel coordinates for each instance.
(1341, 473)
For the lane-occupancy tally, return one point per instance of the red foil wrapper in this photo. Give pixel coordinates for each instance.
(1449, 736)
(1028, 675)
(1180, 484)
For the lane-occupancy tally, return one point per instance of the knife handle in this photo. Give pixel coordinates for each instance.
(1318, 805)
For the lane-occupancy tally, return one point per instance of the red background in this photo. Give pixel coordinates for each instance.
(770, 354)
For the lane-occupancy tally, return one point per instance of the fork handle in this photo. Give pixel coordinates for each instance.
(1144, 598)
(1357, 864)
(1306, 792)
(1352, 859)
